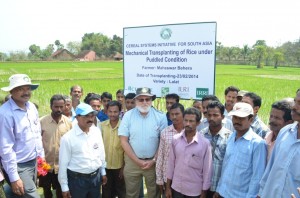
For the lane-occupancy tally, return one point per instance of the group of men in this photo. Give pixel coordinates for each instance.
(208, 150)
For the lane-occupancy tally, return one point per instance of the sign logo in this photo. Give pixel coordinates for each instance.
(164, 91)
(131, 89)
(166, 33)
(200, 92)
(183, 89)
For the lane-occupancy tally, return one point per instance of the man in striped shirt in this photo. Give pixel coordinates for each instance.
(218, 136)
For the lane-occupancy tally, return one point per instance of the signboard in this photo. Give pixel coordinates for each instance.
(176, 58)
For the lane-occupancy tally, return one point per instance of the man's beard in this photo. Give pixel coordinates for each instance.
(145, 109)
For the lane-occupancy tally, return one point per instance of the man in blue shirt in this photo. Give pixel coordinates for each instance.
(105, 99)
(245, 158)
(20, 137)
(282, 175)
(139, 133)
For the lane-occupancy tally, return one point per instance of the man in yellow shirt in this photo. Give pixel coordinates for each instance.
(114, 153)
(54, 126)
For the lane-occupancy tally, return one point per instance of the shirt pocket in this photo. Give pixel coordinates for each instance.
(243, 158)
(195, 161)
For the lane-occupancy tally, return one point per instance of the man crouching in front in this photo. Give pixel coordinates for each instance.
(82, 157)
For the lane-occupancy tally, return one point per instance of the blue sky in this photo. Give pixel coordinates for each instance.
(41, 22)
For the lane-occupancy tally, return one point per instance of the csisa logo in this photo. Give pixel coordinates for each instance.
(166, 33)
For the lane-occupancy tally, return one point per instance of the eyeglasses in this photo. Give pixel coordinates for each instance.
(144, 99)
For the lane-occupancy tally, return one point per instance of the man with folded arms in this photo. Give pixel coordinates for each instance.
(139, 133)
(82, 157)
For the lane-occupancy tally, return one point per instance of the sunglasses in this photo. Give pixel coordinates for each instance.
(144, 99)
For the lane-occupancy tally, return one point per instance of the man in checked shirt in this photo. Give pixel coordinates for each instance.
(218, 136)
(166, 136)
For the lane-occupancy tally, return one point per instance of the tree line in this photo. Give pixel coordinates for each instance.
(259, 54)
(104, 47)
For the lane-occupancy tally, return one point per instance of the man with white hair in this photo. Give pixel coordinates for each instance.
(20, 137)
(139, 133)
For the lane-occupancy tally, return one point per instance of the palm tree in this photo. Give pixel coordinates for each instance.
(260, 51)
(245, 52)
(278, 57)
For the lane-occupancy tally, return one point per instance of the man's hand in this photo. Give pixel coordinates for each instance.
(168, 192)
(161, 188)
(294, 196)
(104, 180)
(121, 175)
(17, 187)
(66, 194)
(148, 164)
(216, 195)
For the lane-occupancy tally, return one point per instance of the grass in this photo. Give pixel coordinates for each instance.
(57, 77)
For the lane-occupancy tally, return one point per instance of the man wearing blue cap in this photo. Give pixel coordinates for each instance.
(82, 157)
(20, 137)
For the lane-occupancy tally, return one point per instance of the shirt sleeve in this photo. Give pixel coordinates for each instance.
(124, 126)
(102, 157)
(7, 141)
(64, 159)
(39, 142)
(268, 168)
(160, 161)
(171, 161)
(207, 168)
(258, 168)
(163, 122)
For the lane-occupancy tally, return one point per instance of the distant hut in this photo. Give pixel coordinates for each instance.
(62, 54)
(86, 55)
(118, 56)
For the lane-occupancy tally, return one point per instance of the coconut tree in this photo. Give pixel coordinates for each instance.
(259, 52)
(278, 57)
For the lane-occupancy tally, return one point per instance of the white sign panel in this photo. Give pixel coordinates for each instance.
(177, 58)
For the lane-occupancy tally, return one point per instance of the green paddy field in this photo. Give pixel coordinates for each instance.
(57, 77)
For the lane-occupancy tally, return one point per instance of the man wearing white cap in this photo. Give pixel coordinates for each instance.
(82, 157)
(245, 158)
(139, 133)
(20, 137)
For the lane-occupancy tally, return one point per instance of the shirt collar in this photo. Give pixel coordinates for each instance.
(107, 123)
(294, 127)
(52, 120)
(78, 130)
(247, 135)
(195, 138)
(221, 133)
(15, 106)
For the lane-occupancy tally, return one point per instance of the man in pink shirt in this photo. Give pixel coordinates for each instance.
(190, 160)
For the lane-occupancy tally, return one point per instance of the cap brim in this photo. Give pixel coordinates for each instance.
(33, 87)
(85, 113)
(150, 95)
(238, 114)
